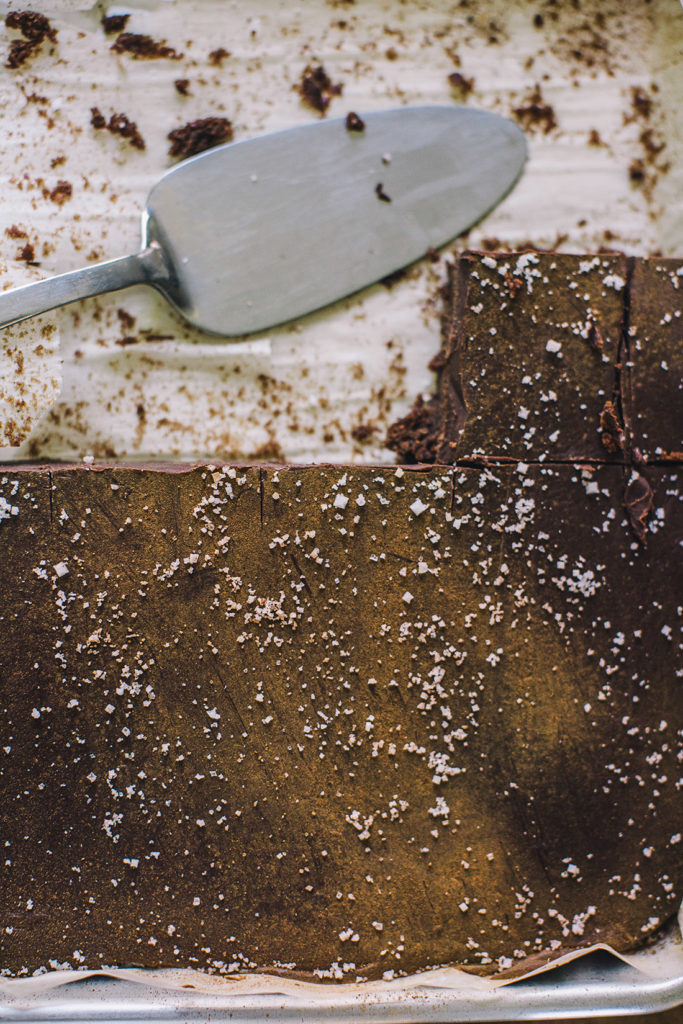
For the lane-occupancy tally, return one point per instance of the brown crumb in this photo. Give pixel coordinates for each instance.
(143, 46)
(18, 53)
(389, 280)
(14, 231)
(391, 53)
(33, 26)
(118, 124)
(534, 114)
(538, 21)
(269, 451)
(381, 194)
(612, 433)
(97, 118)
(362, 432)
(196, 136)
(354, 123)
(127, 321)
(182, 86)
(594, 138)
(414, 437)
(636, 171)
(595, 338)
(62, 191)
(638, 501)
(112, 23)
(218, 56)
(513, 284)
(652, 145)
(462, 85)
(57, 161)
(317, 89)
(438, 361)
(27, 254)
(155, 336)
(641, 103)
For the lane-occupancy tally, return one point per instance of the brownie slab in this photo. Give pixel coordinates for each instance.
(336, 722)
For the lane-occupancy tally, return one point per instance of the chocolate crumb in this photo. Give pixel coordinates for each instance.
(638, 501)
(218, 56)
(381, 194)
(269, 451)
(653, 146)
(460, 83)
(143, 46)
(594, 138)
(182, 86)
(62, 191)
(389, 280)
(14, 231)
(636, 171)
(595, 338)
(27, 254)
(33, 26)
(641, 102)
(535, 114)
(317, 89)
(437, 362)
(97, 118)
(112, 23)
(362, 432)
(538, 21)
(414, 437)
(196, 136)
(118, 124)
(127, 321)
(19, 52)
(612, 433)
(354, 123)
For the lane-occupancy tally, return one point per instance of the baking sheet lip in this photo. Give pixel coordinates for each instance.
(598, 995)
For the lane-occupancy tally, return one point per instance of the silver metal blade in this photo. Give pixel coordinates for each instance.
(266, 230)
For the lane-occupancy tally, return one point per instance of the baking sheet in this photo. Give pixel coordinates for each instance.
(293, 392)
(590, 982)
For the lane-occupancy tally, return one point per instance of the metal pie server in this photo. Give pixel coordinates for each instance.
(258, 232)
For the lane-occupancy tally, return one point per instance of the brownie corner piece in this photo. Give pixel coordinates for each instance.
(536, 339)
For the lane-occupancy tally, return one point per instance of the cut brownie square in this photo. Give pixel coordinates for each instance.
(528, 367)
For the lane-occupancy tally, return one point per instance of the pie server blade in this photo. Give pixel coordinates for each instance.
(258, 232)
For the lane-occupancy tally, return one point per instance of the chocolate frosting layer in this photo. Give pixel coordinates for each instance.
(336, 722)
